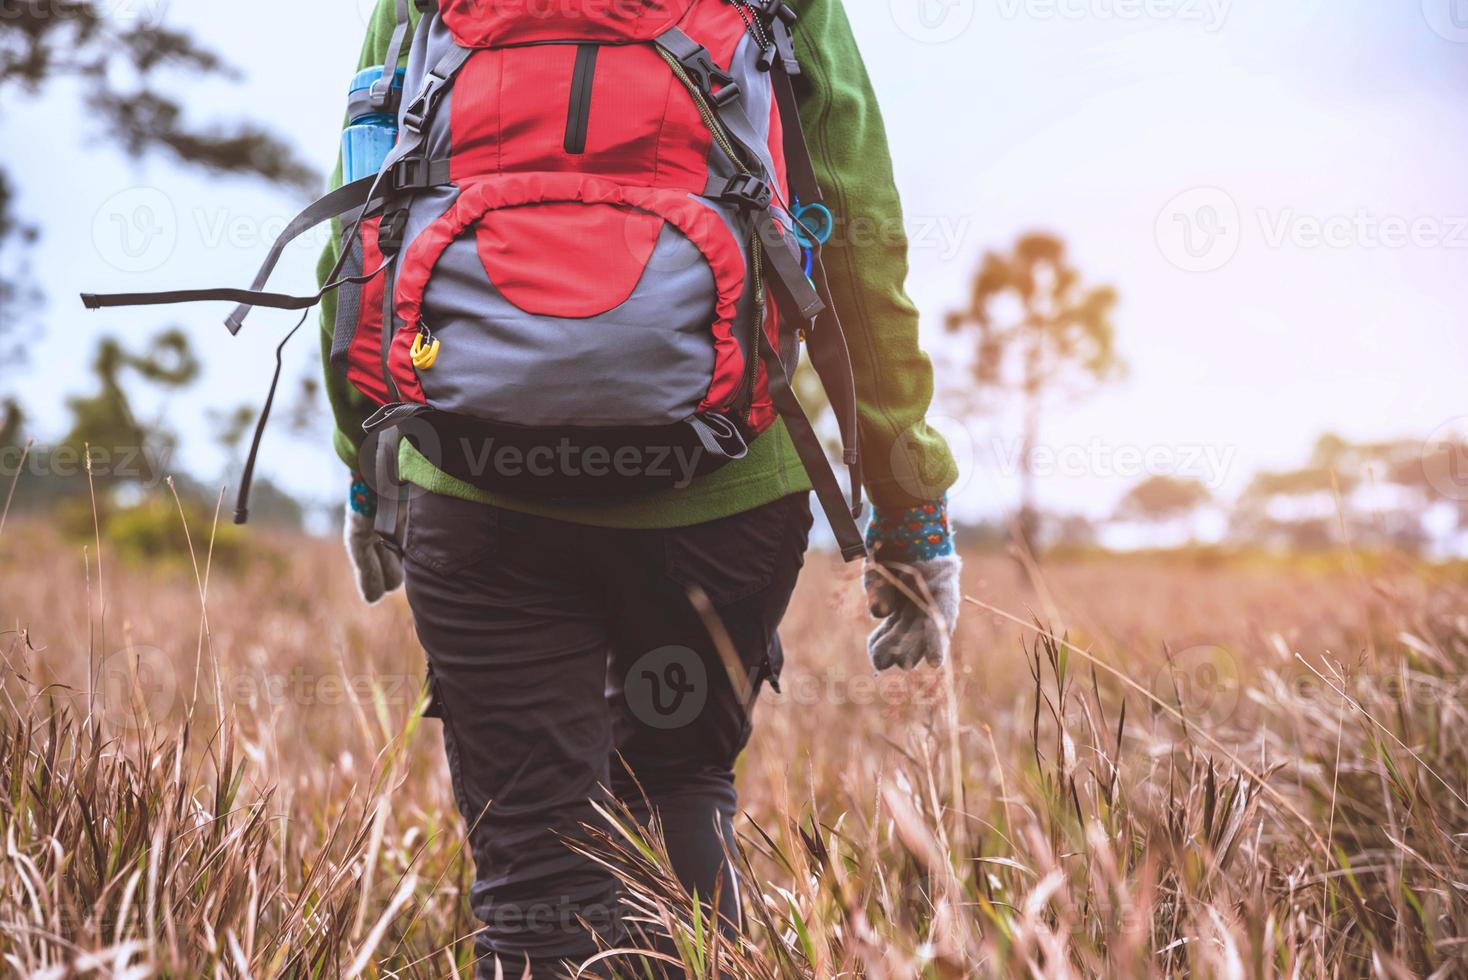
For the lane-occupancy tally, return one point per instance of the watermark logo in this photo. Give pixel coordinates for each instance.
(143, 13)
(136, 687)
(136, 230)
(1445, 459)
(1211, 14)
(1199, 230)
(1447, 18)
(667, 688)
(365, 10)
(1202, 682)
(933, 21)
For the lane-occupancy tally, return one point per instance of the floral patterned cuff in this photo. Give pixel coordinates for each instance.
(918, 533)
(363, 501)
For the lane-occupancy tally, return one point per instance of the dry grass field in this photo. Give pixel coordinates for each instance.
(1135, 766)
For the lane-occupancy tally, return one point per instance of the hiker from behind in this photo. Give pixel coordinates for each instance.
(559, 360)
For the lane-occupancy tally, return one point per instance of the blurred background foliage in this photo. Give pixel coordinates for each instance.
(129, 74)
(1036, 332)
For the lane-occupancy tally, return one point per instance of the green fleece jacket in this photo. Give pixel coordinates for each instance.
(906, 461)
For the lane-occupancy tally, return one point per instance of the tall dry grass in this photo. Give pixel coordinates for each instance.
(1133, 767)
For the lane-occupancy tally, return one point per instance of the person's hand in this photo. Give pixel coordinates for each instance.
(912, 586)
(377, 568)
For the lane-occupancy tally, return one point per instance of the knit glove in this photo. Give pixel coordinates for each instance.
(377, 567)
(912, 585)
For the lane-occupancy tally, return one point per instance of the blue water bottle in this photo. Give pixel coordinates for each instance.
(373, 130)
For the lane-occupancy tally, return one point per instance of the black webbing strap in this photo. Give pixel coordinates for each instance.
(363, 193)
(813, 457)
(388, 487)
(441, 76)
(809, 307)
(341, 201)
(247, 476)
(345, 200)
(831, 358)
(784, 261)
(276, 301)
(798, 162)
(829, 353)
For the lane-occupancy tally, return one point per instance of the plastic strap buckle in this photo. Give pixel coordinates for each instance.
(781, 18)
(417, 113)
(728, 93)
(779, 10)
(410, 174)
(385, 96)
(705, 71)
(748, 191)
(391, 230)
(785, 45)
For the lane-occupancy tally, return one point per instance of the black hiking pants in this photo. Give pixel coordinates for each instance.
(568, 661)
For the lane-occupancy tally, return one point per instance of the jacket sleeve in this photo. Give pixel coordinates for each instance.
(349, 407)
(906, 461)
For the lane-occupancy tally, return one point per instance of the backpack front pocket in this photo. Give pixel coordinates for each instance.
(568, 300)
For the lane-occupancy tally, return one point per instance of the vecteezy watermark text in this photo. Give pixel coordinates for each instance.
(1208, 463)
(1202, 229)
(1210, 14)
(566, 459)
(145, 465)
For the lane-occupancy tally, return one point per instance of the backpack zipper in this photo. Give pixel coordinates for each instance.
(578, 115)
(757, 259)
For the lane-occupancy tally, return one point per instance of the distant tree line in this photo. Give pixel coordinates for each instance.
(1036, 333)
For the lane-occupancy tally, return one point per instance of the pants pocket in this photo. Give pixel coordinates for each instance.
(446, 534)
(736, 557)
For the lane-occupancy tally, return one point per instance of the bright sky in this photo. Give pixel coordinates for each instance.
(1275, 187)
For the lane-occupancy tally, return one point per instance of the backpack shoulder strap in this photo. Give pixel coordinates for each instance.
(799, 165)
(826, 341)
(813, 456)
(382, 89)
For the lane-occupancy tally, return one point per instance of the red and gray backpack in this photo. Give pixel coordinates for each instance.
(582, 270)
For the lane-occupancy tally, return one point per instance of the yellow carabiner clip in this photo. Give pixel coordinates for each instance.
(424, 355)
